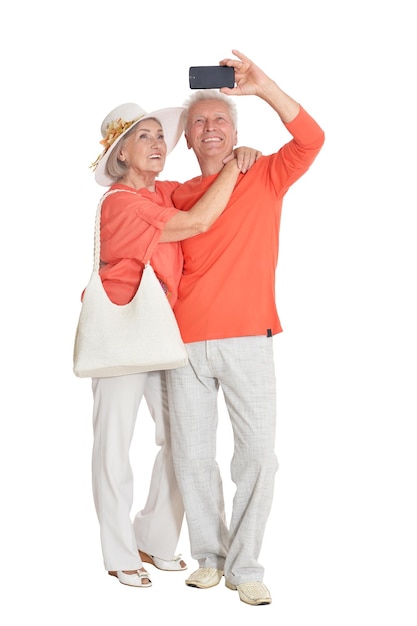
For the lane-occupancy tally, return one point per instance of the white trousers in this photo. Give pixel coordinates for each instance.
(244, 368)
(156, 528)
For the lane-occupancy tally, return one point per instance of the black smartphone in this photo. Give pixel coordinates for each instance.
(212, 77)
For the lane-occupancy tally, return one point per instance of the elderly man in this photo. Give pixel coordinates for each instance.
(227, 315)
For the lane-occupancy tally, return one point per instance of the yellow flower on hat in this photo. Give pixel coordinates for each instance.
(114, 130)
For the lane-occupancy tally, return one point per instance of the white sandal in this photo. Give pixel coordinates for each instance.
(176, 564)
(133, 580)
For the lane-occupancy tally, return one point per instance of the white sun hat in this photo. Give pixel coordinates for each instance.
(121, 119)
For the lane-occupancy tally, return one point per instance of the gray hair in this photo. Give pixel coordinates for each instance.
(114, 166)
(210, 94)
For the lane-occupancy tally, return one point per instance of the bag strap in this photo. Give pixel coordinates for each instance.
(96, 263)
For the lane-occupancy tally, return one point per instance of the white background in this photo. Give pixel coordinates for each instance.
(340, 547)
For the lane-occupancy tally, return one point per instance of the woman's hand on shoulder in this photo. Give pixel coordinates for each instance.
(245, 157)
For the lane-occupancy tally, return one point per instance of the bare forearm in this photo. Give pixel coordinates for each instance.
(205, 212)
(251, 80)
(286, 107)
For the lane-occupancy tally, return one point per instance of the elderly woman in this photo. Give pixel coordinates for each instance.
(138, 222)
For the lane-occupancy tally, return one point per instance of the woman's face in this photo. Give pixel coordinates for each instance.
(145, 150)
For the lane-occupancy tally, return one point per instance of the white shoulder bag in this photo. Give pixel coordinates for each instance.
(113, 340)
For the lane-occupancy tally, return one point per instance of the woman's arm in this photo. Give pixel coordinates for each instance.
(197, 220)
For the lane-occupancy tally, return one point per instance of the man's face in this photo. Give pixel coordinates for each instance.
(210, 131)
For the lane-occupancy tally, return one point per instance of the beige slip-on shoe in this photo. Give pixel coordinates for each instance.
(254, 593)
(204, 578)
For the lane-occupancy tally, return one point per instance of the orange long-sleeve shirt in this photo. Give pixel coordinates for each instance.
(228, 283)
(131, 227)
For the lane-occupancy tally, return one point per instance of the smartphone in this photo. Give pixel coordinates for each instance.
(212, 77)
